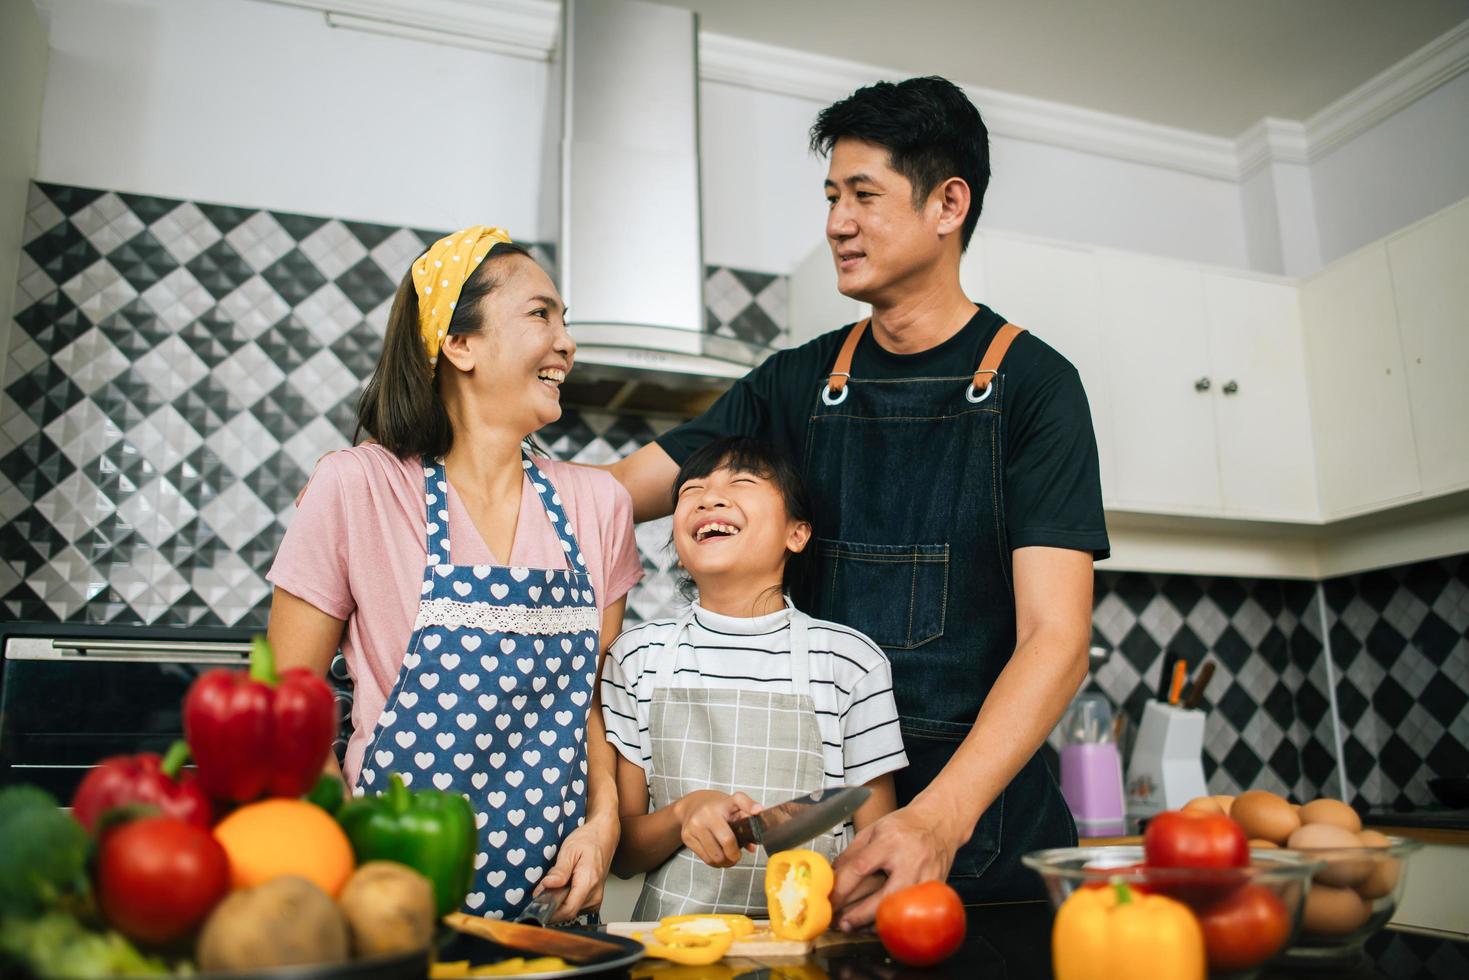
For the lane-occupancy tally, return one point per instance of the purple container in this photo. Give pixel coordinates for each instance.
(1091, 781)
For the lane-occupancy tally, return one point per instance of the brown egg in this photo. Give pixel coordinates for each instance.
(1340, 849)
(1334, 812)
(1267, 845)
(1225, 803)
(1385, 870)
(1264, 815)
(1334, 911)
(1204, 804)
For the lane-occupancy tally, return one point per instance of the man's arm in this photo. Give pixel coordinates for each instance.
(648, 475)
(1053, 605)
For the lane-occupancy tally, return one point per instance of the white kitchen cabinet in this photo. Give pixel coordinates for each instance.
(1052, 291)
(1158, 385)
(1429, 266)
(1361, 415)
(1261, 406)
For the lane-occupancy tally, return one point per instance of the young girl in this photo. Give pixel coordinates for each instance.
(742, 702)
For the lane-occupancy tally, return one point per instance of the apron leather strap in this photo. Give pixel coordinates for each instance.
(989, 365)
(842, 370)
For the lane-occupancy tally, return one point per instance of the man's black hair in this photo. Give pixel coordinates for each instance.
(928, 126)
(740, 454)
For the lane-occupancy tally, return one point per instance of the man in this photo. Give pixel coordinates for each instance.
(957, 499)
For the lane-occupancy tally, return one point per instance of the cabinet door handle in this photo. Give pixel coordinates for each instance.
(1201, 385)
(1231, 387)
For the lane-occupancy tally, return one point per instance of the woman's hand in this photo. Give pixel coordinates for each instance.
(705, 816)
(582, 863)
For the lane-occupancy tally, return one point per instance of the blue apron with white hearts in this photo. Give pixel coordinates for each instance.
(492, 700)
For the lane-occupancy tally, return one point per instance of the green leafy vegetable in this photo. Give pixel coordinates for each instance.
(50, 859)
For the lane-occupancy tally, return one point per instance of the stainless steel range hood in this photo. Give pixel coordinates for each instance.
(630, 252)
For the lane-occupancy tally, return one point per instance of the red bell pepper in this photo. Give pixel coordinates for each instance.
(145, 779)
(257, 734)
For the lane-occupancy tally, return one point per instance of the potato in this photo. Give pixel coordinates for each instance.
(389, 909)
(287, 921)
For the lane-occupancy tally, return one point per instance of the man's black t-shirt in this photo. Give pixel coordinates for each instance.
(1053, 488)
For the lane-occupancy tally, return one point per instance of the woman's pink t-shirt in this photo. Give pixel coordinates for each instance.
(356, 550)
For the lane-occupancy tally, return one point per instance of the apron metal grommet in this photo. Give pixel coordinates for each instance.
(975, 400)
(841, 395)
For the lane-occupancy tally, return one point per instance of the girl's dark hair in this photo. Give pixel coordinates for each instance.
(744, 455)
(928, 126)
(401, 406)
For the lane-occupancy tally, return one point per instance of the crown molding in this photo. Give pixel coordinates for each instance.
(1436, 63)
(519, 28)
(530, 29)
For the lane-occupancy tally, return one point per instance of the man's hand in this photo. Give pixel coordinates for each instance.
(905, 847)
(705, 816)
(582, 862)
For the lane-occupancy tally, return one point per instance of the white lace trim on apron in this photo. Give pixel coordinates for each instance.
(525, 620)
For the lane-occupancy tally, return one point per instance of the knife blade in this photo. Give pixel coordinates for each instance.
(533, 939)
(781, 827)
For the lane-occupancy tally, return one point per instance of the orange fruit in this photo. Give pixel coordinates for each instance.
(285, 837)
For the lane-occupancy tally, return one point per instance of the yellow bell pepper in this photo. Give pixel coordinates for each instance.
(690, 949)
(1112, 932)
(740, 925)
(798, 894)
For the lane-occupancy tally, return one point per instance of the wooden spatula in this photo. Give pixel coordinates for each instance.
(533, 939)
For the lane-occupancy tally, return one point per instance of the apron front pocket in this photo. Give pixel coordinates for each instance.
(896, 594)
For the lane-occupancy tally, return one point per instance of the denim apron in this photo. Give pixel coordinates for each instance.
(907, 477)
(492, 700)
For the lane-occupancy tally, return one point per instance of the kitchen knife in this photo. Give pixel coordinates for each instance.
(1165, 675)
(781, 827)
(534, 939)
(542, 908)
(1196, 689)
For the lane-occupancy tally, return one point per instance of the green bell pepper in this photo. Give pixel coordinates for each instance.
(429, 830)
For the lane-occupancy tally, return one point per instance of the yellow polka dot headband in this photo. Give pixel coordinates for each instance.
(439, 276)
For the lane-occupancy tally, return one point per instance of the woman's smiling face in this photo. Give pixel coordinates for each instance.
(735, 523)
(515, 365)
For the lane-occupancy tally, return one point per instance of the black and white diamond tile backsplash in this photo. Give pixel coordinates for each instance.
(1400, 646)
(177, 367)
(175, 371)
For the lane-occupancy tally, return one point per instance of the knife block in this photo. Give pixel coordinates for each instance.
(1167, 767)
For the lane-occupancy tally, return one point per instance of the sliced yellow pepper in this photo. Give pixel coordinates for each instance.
(798, 894)
(687, 948)
(520, 966)
(740, 925)
(1105, 933)
(449, 971)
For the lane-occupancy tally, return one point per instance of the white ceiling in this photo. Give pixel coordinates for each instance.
(1212, 66)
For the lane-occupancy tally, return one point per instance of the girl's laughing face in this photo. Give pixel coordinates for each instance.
(735, 523)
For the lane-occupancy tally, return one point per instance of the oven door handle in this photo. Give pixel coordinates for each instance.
(142, 651)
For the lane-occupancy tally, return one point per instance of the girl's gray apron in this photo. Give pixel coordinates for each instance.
(492, 700)
(763, 744)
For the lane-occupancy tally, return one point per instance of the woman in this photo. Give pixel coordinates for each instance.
(468, 584)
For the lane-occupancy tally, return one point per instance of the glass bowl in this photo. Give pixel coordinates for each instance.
(1353, 894)
(1285, 874)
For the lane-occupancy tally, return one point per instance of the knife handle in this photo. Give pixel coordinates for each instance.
(744, 831)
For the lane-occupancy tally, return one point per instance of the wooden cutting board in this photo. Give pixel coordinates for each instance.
(760, 944)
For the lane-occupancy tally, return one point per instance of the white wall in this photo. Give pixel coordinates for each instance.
(265, 106)
(22, 76)
(764, 207)
(1405, 168)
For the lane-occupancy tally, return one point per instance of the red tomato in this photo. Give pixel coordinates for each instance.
(158, 877)
(1192, 839)
(1244, 929)
(922, 924)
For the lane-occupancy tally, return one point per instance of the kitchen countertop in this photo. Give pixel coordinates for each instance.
(1014, 941)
